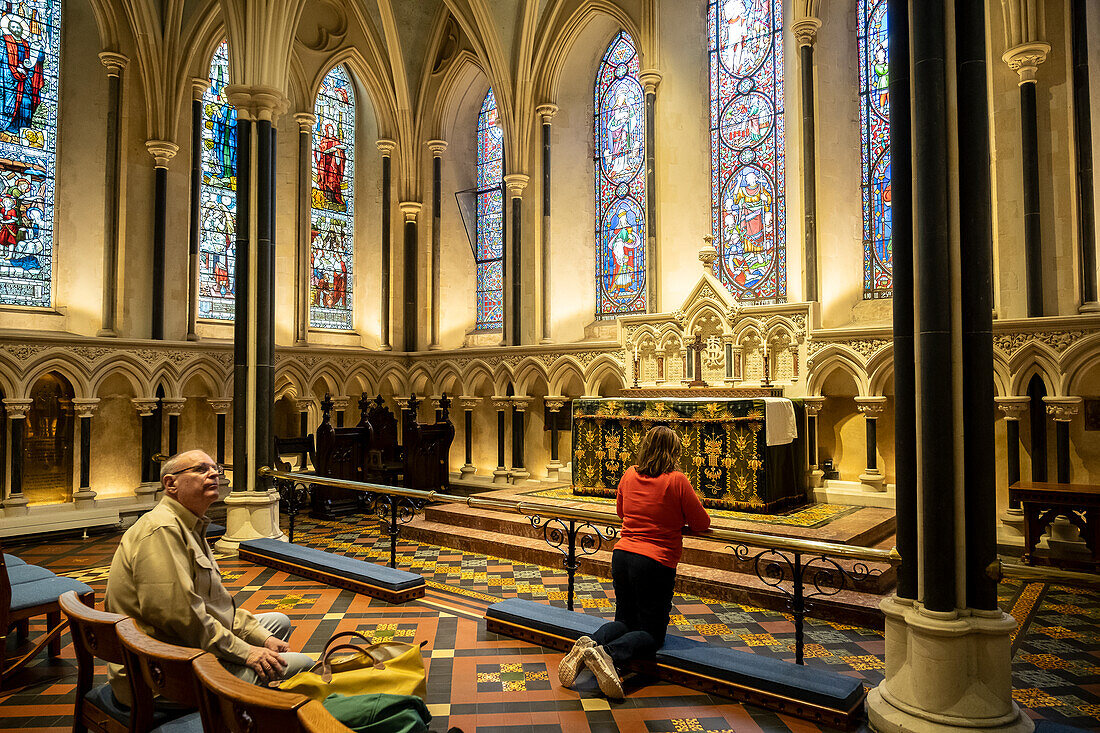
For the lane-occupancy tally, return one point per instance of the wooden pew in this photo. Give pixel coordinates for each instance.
(427, 447)
(341, 453)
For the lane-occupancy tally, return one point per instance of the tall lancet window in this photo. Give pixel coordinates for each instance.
(490, 217)
(620, 182)
(29, 76)
(218, 194)
(746, 143)
(332, 218)
(874, 130)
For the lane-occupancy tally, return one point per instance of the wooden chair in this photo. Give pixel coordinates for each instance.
(232, 705)
(23, 601)
(94, 637)
(165, 671)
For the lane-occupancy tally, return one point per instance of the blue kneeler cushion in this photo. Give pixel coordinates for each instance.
(367, 578)
(814, 694)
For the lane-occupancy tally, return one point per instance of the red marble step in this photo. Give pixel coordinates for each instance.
(849, 607)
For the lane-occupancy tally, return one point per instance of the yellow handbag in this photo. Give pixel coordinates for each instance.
(391, 667)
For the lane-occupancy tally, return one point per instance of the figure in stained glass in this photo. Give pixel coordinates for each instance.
(874, 114)
(489, 252)
(29, 76)
(620, 181)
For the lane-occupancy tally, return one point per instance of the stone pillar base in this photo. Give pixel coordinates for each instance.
(552, 469)
(148, 491)
(945, 673)
(500, 475)
(84, 499)
(815, 478)
(16, 506)
(250, 515)
(468, 470)
(873, 480)
(1012, 524)
(520, 475)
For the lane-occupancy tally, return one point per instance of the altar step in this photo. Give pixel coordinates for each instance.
(707, 569)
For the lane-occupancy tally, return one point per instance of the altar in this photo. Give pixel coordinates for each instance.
(726, 452)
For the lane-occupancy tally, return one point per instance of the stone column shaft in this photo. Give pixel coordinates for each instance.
(805, 32)
(872, 407)
(162, 152)
(220, 408)
(546, 112)
(468, 404)
(1082, 105)
(438, 147)
(501, 405)
(115, 64)
(1062, 410)
(513, 258)
(519, 407)
(386, 147)
(412, 270)
(304, 288)
(16, 410)
(651, 79)
(194, 234)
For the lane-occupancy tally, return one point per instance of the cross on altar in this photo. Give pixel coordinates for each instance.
(697, 353)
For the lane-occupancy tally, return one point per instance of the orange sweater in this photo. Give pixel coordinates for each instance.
(654, 512)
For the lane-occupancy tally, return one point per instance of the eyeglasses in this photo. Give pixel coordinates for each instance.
(198, 468)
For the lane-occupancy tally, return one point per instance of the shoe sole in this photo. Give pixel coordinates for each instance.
(610, 685)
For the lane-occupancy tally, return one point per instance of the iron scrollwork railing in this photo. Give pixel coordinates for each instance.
(826, 577)
(392, 512)
(563, 538)
(294, 495)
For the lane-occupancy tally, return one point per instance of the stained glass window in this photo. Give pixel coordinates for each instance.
(874, 131)
(490, 217)
(620, 182)
(29, 76)
(333, 200)
(218, 195)
(748, 210)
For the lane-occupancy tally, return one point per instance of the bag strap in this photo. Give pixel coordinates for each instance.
(347, 634)
(326, 665)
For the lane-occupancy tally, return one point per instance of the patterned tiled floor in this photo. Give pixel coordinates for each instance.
(484, 682)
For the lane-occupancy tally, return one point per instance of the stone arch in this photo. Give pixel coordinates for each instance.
(605, 372)
(1035, 359)
(830, 359)
(56, 363)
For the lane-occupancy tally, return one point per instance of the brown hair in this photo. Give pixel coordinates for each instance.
(660, 451)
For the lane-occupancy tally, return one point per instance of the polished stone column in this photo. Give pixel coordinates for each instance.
(85, 408)
(411, 265)
(386, 147)
(1026, 52)
(221, 409)
(339, 406)
(302, 404)
(519, 407)
(651, 79)
(162, 152)
(546, 113)
(17, 410)
(115, 63)
(513, 263)
(1082, 115)
(146, 408)
(501, 405)
(173, 407)
(404, 405)
(467, 405)
(438, 147)
(872, 477)
(194, 233)
(302, 252)
(813, 406)
(805, 33)
(1013, 408)
(554, 405)
(1062, 410)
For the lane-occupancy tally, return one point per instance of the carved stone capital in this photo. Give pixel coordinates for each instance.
(145, 406)
(546, 112)
(500, 404)
(707, 255)
(199, 86)
(341, 402)
(257, 102)
(813, 405)
(805, 30)
(305, 121)
(402, 402)
(521, 403)
(410, 209)
(162, 152)
(17, 409)
(872, 407)
(553, 404)
(173, 405)
(115, 62)
(1063, 409)
(302, 404)
(85, 406)
(1026, 58)
(650, 79)
(220, 405)
(516, 183)
(1013, 407)
(386, 146)
(438, 147)
(468, 403)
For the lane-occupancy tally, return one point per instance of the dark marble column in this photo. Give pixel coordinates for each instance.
(1062, 410)
(871, 407)
(303, 287)
(173, 407)
(221, 408)
(553, 407)
(519, 471)
(194, 233)
(468, 404)
(16, 410)
(438, 147)
(1013, 408)
(339, 406)
(147, 410)
(813, 406)
(1082, 115)
(651, 79)
(513, 262)
(162, 152)
(303, 403)
(386, 147)
(805, 33)
(502, 405)
(411, 296)
(546, 112)
(115, 64)
(85, 409)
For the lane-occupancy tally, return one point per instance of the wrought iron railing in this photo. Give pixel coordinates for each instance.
(800, 569)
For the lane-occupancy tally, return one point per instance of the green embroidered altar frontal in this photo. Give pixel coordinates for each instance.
(724, 449)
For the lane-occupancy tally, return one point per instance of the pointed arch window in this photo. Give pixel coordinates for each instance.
(874, 130)
(332, 219)
(218, 195)
(489, 252)
(748, 209)
(620, 149)
(29, 76)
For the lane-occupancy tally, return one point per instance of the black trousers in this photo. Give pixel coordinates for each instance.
(643, 600)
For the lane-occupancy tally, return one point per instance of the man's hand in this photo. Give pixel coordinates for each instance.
(266, 663)
(276, 644)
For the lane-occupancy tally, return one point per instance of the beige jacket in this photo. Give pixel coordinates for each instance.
(165, 578)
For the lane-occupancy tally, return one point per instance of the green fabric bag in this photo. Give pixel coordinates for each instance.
(379, 712)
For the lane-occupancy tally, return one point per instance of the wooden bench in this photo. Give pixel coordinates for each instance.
(1043, 502)
(359, 576)
(825, 697)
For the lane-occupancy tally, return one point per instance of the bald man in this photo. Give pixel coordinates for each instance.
(165, 578)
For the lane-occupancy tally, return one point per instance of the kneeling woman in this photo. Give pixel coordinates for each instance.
(655, 502)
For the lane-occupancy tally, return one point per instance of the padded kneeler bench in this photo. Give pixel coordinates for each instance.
(813, 694)
(367, 578)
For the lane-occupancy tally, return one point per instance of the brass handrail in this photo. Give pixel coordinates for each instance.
(1044, 572)
(528, 508)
